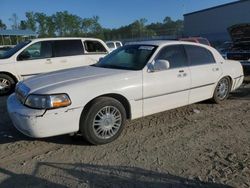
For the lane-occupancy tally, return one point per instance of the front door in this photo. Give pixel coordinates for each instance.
(167, 89)
(35, 59)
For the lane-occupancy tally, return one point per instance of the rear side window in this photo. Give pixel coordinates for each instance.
(94, 47)
(111, 45)
(118, 45)
(175, 55)
(199, 56)
(68, 48)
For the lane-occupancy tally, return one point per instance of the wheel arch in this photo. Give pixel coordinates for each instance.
(10, 74)
(230, 79)
(123, 100)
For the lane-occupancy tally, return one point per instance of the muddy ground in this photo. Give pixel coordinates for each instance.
(202, 145)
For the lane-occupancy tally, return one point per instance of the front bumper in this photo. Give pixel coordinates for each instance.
(41, 123)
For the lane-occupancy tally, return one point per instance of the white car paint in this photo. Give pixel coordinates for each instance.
(146, 92)
(21, 70)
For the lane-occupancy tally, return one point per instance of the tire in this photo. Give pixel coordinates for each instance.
(103, 122)
(7, 84)
(222, 90)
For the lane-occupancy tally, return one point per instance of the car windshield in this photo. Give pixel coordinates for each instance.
(12, 51)
(130, 57)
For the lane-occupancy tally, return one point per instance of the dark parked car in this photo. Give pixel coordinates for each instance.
(225, 48)
(240, 50)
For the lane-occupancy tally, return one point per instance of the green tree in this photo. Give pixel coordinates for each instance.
(41, 20)
(23, 25)
(31, 21)
(14, 20)
(50, 27)
(67, 24)
(92, 27)
(2, 25)
(167, 27)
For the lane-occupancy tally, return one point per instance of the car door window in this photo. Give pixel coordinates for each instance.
(39, 50)
(199, 56)
(111, 45)
(94, 47)
(64, 48)
(118, 44)
(175, 55)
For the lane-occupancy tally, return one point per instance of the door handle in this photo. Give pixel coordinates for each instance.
(182, 74)
(48, 61)
(216, 69)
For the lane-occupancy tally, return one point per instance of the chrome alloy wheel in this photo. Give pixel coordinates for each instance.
(223, 88)
(5, 86)
(107, 122)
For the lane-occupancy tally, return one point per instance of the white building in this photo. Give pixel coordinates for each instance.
(212, 23)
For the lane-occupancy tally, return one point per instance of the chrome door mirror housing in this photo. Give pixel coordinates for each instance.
(159, 65)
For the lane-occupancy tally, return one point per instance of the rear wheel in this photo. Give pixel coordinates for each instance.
(7, 84)
(104, 121)
(222, 90)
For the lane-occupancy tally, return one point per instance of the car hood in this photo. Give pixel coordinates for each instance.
(240, 33)
(69, 76)
(5, 61)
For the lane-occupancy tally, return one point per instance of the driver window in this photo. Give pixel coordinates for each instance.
(37, 50)
(175, 55)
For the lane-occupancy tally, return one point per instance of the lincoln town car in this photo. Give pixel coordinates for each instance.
(136, 80)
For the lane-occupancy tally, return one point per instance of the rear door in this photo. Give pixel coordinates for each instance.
(69, 54)
(205, 72)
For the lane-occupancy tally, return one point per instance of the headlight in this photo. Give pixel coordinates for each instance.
(48, 101)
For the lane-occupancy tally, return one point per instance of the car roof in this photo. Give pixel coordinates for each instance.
(64, 38)
(113, 41)
(164, 42)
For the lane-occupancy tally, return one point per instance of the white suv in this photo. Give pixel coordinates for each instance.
(38, 56)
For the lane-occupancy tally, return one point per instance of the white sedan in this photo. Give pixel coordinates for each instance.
(134, 81)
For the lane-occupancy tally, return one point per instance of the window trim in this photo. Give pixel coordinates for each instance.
(54, 50)
(95, 53)
(188, 57)
(39, 58)
(185, 54)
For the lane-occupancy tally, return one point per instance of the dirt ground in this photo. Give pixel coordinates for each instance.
(202, 145)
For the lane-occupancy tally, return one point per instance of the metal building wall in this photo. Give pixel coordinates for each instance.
(213, 23)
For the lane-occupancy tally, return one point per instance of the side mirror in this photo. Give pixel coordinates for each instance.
(160, 65)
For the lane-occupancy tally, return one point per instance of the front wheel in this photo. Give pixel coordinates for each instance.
(222, 90)
(104, 121)
(7, 84)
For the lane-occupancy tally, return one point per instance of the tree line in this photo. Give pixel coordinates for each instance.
(65, 24)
